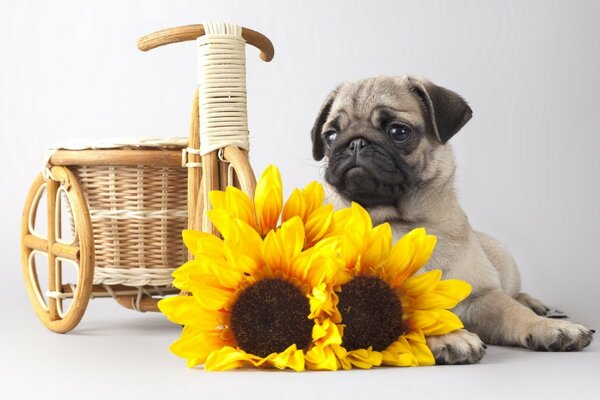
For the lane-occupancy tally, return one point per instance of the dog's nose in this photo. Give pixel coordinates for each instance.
(357, 144)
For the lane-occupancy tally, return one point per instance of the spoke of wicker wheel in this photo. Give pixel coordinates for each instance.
(80, 250)
(54, 275)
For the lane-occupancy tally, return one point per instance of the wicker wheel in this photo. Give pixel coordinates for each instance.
(79, 251)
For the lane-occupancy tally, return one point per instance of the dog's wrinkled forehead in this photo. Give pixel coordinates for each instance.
(365, 99)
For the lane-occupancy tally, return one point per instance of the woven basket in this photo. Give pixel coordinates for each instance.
(137, 215)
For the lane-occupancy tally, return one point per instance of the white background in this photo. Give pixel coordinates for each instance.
(528, 173)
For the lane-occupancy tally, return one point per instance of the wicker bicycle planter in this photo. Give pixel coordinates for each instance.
(129, 201)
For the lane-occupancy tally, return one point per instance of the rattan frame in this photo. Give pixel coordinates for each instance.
(117, 198)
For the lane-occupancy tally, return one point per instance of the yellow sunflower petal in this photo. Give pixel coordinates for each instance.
(408, 255)
(434, 322)
(318, 223)
(211, 296)
(365, 358)
(321, 358)
(244, 265)
(240, 205)
(419, 348)
(181, 276)
(349, 254)
(354, 221)
(227, 358)
(445, 294)
(196, 348)
(340, 220)
(268, 199)
(318, 331)
(360, 219)
(378, 246)
(281, 248)
(425, 245)
(292, 238)
(421, 283)
(398, 359)
(200, 271)
(322, 301)
(295, 206)
(322, 263)
(399, 354)
(225, 272)
(352, 226)
(290, 358)
(222, 220)
(245, 239)
(326, 333)
(218, 200)
(361, 358)
(342, 357)
(272, 251)
(323, 267)
(185, 310)
(234, 202)
(409, 350)
(314, 194)
(201, 242)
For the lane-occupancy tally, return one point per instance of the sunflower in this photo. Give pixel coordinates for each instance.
(298, 286)
(267, 209)
(386, 310)
(254, 301)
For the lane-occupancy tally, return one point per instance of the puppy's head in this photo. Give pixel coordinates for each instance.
(384, 136)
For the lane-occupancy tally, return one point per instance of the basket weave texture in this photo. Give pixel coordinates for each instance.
(137, 214)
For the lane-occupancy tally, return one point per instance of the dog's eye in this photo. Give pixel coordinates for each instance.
(330, 137)
(398, 132)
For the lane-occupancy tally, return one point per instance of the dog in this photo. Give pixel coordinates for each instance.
(384, 143)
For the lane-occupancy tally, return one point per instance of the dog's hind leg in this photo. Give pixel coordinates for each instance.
(500, 319)
(510, 277)
(503, 262)
(532, 303)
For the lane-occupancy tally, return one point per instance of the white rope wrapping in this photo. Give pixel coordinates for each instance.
(130, 214)
(222, 87)
(108, 291)
(184, 158)
(133, 276)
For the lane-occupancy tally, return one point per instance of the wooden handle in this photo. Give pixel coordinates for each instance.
(192, 32)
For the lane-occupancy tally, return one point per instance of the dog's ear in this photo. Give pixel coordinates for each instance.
(448, 111)
(317, 141)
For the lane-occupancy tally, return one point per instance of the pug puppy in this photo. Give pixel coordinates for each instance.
(384, 142)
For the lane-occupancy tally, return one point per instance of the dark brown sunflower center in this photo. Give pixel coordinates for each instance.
(371, 313)
(270, 316)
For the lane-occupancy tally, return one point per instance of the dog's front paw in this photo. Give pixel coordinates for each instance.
(556, 335)
(458, 347)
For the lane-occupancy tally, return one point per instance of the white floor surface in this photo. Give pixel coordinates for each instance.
(117, 353)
